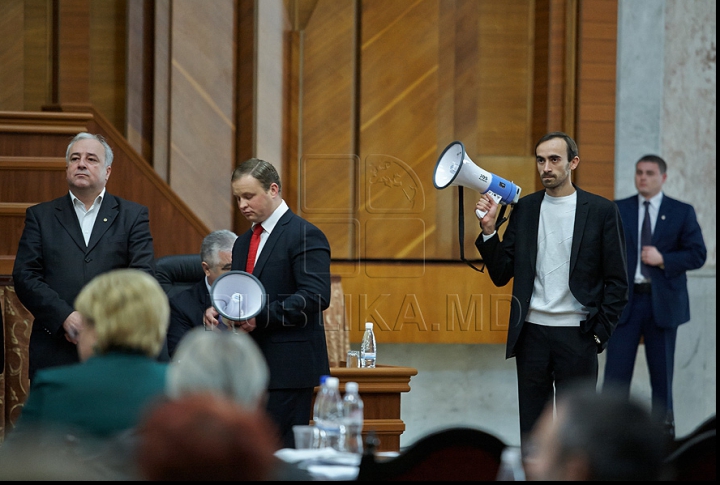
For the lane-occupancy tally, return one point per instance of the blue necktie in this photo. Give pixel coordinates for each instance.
(646, 238)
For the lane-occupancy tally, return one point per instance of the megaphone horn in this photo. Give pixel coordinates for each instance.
(237, 295)
(454, 167)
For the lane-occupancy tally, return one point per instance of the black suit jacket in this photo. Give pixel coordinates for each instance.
(187, 310)
(294, 268)
(678, 237)
(53, 263)
(598, 278)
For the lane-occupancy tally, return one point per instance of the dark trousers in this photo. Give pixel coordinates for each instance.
(550, 359)
(659, 352)
(288, 407)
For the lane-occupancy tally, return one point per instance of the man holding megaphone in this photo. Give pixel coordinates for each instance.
(291, 260)
(564, 248)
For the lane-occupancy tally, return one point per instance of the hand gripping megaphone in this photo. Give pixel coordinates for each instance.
(454, 167)
(237, 295)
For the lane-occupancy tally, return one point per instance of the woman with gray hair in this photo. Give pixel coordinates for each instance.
(222, 362)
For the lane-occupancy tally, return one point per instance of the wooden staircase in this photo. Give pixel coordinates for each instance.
(32, 166)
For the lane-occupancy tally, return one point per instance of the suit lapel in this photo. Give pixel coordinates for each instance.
(533, 227)
(633, 223)
(105, 218)
(664, 219)
(272, 240)
(581, 214)
(65, 214)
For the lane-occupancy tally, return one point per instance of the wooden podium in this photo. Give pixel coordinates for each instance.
(380, 389)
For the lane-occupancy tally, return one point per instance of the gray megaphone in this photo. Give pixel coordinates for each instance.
(454, 167)
(237, 295)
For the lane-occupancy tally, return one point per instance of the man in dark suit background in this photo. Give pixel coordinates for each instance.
(187, 308)
(565, 250)
(293, 264)
(659, 301)
(68, 241)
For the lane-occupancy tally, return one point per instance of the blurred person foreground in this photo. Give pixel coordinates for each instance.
(206, 437)
(597, 436)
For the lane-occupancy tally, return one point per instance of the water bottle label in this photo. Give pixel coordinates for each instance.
(368, 355)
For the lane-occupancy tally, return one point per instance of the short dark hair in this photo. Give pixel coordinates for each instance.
(653, 159)
(261, 170)
(619, 437)
(572, 149)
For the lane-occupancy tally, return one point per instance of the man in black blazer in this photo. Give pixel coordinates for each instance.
(68, 241)
(565, 250)
(293, 264)
(187, 308)
(659, 301)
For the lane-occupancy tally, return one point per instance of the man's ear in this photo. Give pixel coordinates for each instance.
(274, 189)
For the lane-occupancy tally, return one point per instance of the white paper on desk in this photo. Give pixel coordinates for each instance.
(291, 455)
(333, 472)
(321, 456)
(323, 463)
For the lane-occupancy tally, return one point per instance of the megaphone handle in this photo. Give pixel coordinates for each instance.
(492, 194)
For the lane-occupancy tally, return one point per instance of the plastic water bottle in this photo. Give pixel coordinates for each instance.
(353, 408)
(368, 348)
(319, 404)
(329, 418)
(511, 466)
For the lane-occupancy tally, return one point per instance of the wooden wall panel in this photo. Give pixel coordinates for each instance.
(140, 79)
(597, 46)
(505, 66)
(71, 53)
(326, 127)
(161, 90)
(47, 174)
(11, 54)
(444, 303)
(202, 114)
(108, 59)
(397, 127)
(38, 60)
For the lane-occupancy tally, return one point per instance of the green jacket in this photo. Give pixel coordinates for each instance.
(100, 397)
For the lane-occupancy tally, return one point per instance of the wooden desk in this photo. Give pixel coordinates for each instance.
(380, 389)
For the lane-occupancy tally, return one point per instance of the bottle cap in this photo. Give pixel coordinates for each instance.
(368, 325)
(351, 387)
(332, 382)
(323, 379)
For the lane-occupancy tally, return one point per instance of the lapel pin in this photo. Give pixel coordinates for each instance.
(662, 217)
(105, 219)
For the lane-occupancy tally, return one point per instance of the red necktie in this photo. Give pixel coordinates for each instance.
(254, 243)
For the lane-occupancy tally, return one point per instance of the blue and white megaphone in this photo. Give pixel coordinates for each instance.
(454, 167)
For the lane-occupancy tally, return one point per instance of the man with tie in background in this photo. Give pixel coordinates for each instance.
(291, 258)
(664, 241)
